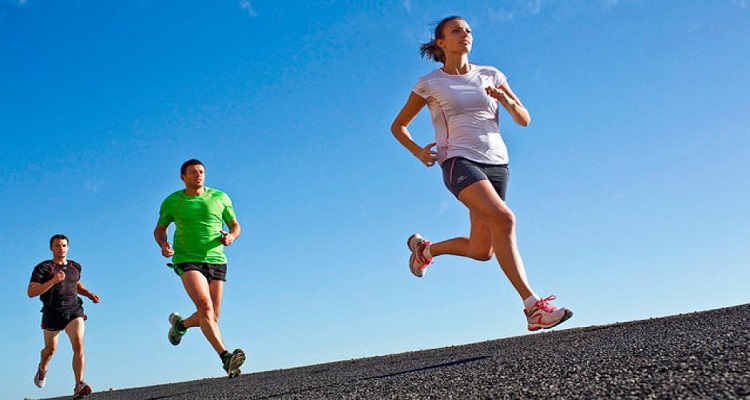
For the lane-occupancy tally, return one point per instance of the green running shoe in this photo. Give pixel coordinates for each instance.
(232, 362)
(175, 335)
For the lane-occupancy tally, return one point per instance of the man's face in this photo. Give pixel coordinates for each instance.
(59, 248)
(195, 176)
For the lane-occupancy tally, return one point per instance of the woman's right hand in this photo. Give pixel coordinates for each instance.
(427, 155)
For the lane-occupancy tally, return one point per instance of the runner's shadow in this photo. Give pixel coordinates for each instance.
(448, 364)
(169, 396)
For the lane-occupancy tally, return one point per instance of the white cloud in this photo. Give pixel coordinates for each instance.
(407, 6)
(500, 15)
(609, 3)
(509, 10)
(743, 4)
(245, 5)
(91, 187)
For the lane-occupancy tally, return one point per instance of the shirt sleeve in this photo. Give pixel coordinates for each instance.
(40, 274)
(500, 78)
(422, 89)
(165, 213)
(228, 213)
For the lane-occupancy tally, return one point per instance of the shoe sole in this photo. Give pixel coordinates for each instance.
(235, 362)
(420, 271)
(568, 314)
(169, 337)
(40, 382)
(172, 318)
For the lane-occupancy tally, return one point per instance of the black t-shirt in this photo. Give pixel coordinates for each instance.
(63, 295)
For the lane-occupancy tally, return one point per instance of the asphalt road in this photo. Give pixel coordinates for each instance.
(703, 355)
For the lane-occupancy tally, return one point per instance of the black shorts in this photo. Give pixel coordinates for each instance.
(212, 272)
(459, 173)
(55, 320)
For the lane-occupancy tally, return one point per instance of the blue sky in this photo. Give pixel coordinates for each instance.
(630, 185)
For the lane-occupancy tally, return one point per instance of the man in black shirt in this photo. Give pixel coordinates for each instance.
(57, 282)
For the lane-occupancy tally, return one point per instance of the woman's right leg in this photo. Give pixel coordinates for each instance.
(484, 202)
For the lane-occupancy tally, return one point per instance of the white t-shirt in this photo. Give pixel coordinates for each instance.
(464, 116)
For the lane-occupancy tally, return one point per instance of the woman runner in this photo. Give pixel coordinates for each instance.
(463, 101)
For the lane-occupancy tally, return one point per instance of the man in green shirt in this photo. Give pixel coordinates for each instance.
(199, 214)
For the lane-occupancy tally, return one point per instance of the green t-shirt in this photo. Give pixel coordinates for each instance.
(198, 223)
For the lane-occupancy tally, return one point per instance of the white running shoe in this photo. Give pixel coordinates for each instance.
(545, 315)
(418, 262)
(41, 377)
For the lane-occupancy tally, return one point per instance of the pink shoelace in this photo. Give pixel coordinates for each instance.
(424, 260)
(544, 305)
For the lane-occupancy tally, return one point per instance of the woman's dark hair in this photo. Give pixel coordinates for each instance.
(430, 50)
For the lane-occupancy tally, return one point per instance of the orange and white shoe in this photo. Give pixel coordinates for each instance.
(543, 315)
(418, 262)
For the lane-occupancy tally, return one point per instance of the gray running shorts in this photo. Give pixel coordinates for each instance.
(459, 173)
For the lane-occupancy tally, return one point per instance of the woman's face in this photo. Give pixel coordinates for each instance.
(456, 37)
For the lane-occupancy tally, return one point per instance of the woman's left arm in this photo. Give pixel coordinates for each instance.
(510, 102)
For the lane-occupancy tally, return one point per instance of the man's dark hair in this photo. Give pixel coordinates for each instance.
(58, 236)
(189, 163)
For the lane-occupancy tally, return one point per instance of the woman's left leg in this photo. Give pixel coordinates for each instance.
(477, 246)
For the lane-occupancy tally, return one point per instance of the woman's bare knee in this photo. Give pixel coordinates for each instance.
(482, 255)
(502, 222)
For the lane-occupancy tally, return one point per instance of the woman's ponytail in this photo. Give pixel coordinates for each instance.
(431, 50)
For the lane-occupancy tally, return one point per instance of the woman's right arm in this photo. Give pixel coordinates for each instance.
(400, 130)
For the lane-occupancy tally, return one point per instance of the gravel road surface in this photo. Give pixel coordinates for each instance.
(702, 355)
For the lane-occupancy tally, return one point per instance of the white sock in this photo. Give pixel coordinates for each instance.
(426, 252)
(530, 301)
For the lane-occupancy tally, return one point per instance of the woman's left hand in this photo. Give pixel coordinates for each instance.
(505, 96)
(499, 94)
